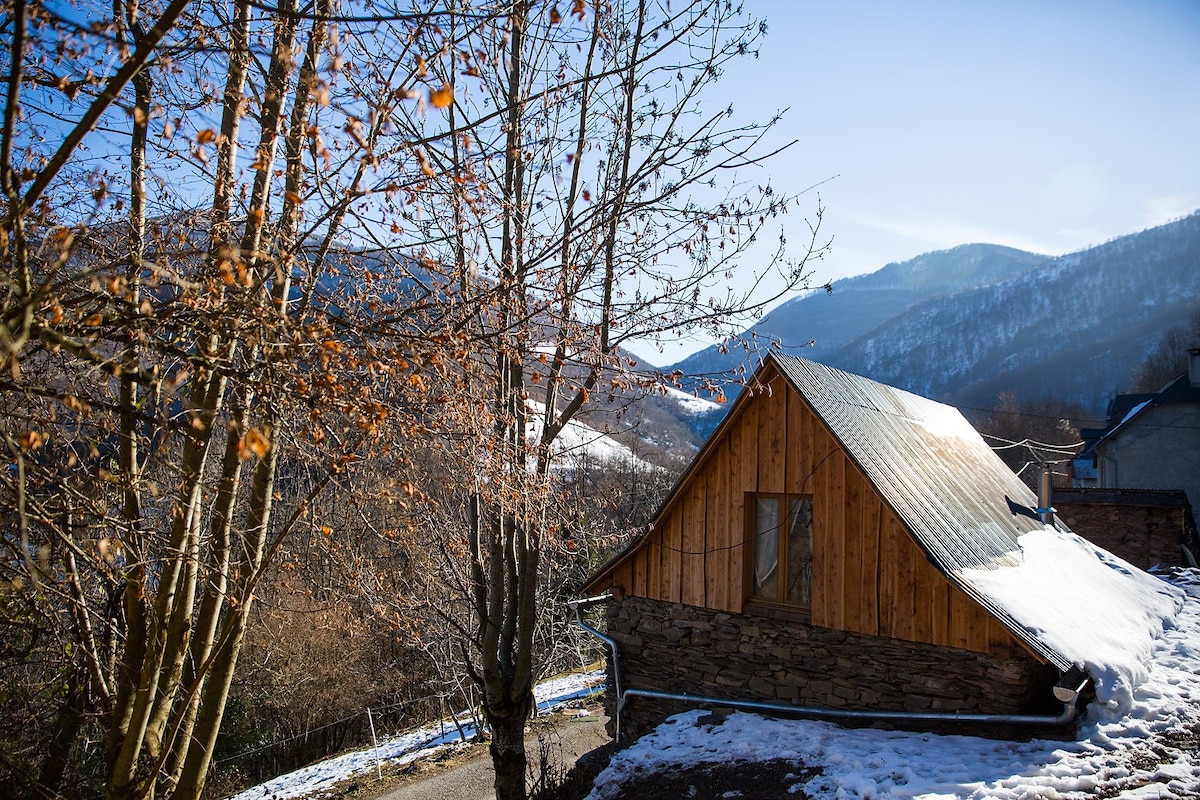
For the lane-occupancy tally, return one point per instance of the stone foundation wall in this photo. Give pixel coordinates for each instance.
(1141, 526)
(684, 649)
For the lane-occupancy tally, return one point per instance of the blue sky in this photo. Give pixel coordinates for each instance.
(1048, 126)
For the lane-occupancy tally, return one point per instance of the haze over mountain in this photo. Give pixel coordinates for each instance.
(965, 324)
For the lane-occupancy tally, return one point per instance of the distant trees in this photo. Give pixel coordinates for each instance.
(1168, 357)
(1029, 433)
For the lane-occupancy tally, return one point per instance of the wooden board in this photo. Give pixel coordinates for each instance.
(717, 542)
(852, 545)
(838, 555)
(640, 566)
(654, 571)
(924, 577)
(622, 578)
(904, 601)
(738, 557)
(747, 449)
(822, 554)
(772, 419)
(694, 517)
(869, 592)
(672, 555)
(795, 445)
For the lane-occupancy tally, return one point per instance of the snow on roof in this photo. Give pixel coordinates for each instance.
(974, 519)
(1097, 610)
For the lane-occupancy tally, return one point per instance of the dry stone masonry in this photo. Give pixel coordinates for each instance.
(686, 649)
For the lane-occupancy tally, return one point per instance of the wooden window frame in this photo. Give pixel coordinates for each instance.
(774, 607)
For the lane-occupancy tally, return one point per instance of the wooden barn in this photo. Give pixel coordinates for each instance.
(819, 553)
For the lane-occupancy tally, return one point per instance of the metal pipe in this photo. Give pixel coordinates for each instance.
(579, 606)
(1045, 495)
(1068, 689)
(1067, 715)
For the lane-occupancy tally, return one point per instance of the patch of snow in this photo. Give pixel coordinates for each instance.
(691, 404)
(549, 348)
(1134, 411)
(1094, 608)
(577, 439)
(1116, 754)
(313, 780)
(945, 422)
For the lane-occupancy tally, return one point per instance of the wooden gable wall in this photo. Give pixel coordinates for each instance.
(869, 574)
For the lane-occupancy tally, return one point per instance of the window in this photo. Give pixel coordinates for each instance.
(782, 530)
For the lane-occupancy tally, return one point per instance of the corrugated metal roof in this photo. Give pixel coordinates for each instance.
(934, 470)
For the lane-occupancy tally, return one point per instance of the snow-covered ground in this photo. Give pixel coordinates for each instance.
(1126, 751)
(312, 781)
(1122, 750)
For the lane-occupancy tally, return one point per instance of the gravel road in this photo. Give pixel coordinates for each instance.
(471, 778)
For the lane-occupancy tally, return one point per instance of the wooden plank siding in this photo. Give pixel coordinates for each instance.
(772, 444)
(672, 556)
(869, 574)
(694, 530)
(852, 543)
(717, 542)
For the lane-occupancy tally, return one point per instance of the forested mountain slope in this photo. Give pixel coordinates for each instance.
(965, 324)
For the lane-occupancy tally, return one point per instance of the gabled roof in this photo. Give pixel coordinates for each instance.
(963, 504)
(1127, 408)
(966, 510)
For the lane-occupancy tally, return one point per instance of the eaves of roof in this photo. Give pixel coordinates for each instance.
(1177, 391)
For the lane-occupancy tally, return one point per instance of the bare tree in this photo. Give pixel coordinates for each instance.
(1168, 358)
(579, 189)
(170, 380)
(189, 360)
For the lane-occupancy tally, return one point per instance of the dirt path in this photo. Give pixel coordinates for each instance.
(470, 776)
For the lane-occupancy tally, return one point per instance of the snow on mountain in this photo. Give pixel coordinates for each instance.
(579, 442)
(966, 324)
(693, 405)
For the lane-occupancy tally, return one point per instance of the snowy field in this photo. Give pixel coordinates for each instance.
(1125, 749)
(314, 780)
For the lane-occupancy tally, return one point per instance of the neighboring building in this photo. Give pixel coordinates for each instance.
(1146, 527)
(844, 545)
(1138, 479)
(1152, 441)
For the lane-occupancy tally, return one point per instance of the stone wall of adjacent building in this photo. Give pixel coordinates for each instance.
(1141, 526)
(689, 650)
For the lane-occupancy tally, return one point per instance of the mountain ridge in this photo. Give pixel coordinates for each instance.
(964, 324)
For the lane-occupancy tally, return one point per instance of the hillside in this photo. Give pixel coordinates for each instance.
(857, 305)
(965, 324)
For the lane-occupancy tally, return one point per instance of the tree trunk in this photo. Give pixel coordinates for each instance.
(70, 720)
(507, 721)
